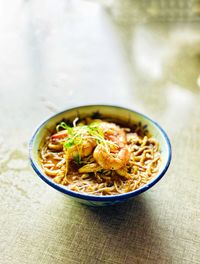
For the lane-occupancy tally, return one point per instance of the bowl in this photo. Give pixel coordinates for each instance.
(127, 116)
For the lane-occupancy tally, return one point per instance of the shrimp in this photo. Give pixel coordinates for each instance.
(59, 135)
(83, 150)
(56, 139)
(115, 155)
(109, 160)
(113, 133)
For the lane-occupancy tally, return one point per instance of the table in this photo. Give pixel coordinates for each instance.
(57, 54)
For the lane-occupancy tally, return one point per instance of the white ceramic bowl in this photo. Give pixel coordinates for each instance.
(127, 116)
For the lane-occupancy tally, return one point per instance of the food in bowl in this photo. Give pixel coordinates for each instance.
(100, 157)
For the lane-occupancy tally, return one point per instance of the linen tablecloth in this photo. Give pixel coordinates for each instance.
(58, 54)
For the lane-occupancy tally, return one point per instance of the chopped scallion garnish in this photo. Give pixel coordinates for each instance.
(64, 126)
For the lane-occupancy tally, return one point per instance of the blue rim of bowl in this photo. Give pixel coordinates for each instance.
(88, 197)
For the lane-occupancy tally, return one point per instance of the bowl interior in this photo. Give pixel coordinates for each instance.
(125, 116)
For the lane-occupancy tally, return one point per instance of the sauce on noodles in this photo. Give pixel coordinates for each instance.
(99, 157)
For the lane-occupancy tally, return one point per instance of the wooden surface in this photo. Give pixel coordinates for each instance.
(55, 54)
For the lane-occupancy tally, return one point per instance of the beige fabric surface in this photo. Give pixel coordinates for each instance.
(54, 54)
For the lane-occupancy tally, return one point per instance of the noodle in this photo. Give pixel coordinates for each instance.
(99, 157)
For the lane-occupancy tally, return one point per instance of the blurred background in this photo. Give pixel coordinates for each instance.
(54, 54)
(136, 53)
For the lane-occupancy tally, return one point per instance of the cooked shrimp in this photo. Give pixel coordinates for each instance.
(109, 160)
(83, 150)
(113, 156)
(113, 132)
(59, 135)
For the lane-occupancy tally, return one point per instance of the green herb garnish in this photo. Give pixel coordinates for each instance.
(64, 126)
(78, 134)
(77, 159)
(69, 143)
